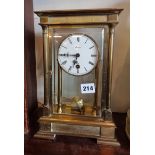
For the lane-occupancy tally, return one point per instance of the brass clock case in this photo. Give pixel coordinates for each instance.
(76, 117)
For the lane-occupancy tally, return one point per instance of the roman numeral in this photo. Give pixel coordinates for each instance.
(78, 39)
(70, 41)
(93, 55)
(91, 63)
(85, 68)
(86, 41)
(63, 46)
(69, 68)
(63, 63)
(91, 47)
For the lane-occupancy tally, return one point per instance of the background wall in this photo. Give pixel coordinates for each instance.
(121, 63)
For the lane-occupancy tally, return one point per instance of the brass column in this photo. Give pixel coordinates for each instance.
(59, 90)
(107, 112)
(46, 66)
(111, 44)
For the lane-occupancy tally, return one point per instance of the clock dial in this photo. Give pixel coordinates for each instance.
(78, 54)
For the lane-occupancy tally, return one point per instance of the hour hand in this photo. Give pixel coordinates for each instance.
(74, 62)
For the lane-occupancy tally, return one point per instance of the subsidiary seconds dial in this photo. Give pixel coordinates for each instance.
(78, 54)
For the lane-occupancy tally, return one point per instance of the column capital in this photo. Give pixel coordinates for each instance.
(45, 29)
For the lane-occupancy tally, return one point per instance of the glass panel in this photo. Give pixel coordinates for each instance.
(72, 100)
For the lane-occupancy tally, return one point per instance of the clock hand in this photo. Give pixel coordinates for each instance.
(77, 67)
(74, 55)
(67, 54)
(74, 62)
(77, 55)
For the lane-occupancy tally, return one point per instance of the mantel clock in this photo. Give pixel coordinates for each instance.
(77, 54)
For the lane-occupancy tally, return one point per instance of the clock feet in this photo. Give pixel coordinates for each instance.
(108, 136)
(44, 131)
(45, 135)
(108, 141)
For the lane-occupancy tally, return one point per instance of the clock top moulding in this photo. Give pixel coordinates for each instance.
(79, 12)
(79, 17)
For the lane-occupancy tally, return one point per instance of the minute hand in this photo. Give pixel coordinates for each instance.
(67, 55)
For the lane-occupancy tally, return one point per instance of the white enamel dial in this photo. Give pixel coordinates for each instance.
(78, 54)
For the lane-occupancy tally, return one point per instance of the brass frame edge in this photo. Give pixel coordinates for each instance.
(77, 122)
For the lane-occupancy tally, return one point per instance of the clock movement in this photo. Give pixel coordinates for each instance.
(77, 54)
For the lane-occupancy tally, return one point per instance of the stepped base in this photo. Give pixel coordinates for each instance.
(103, 131)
